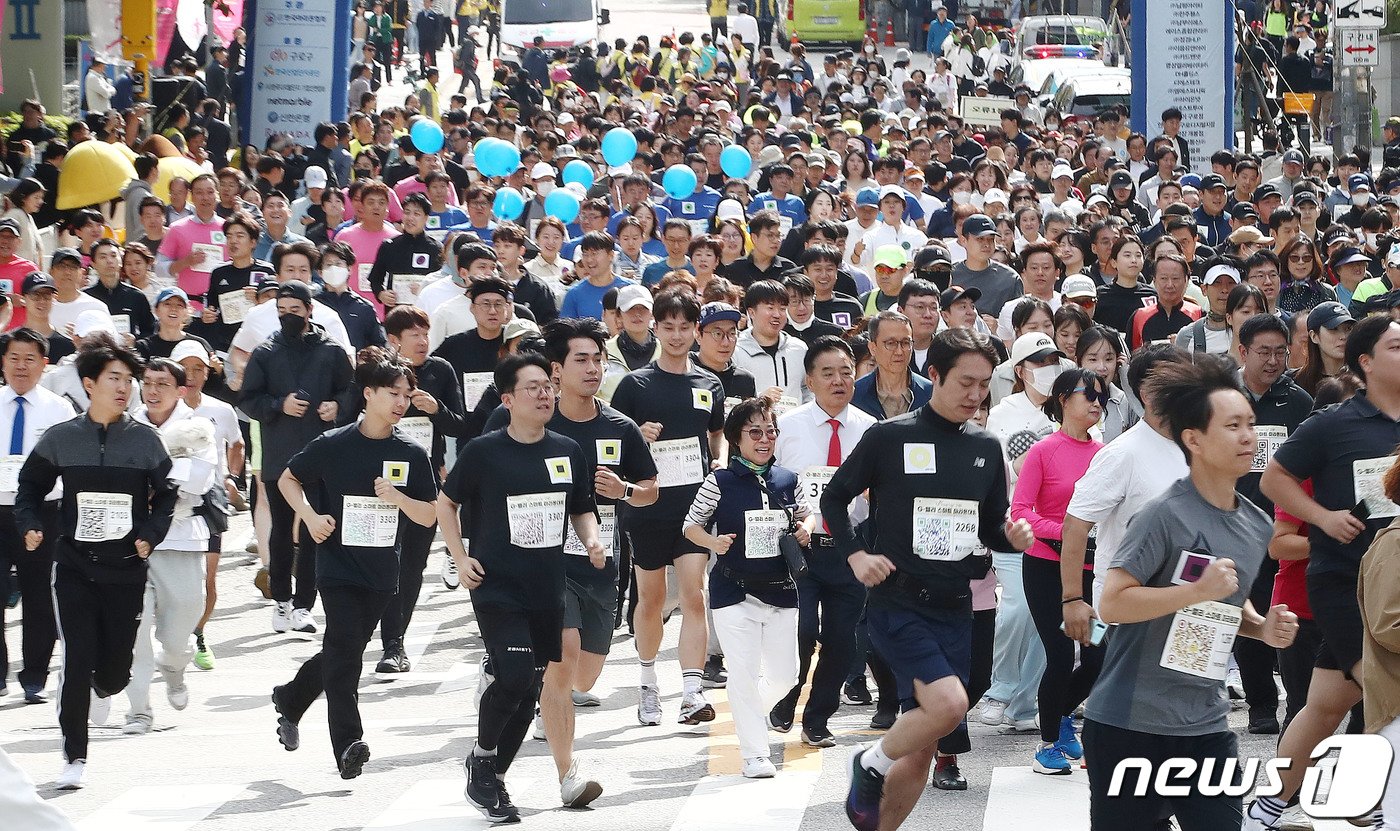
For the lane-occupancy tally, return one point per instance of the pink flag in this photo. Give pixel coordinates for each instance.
(226, 22)
(165, 28)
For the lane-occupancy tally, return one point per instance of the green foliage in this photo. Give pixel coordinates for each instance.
(59, 123)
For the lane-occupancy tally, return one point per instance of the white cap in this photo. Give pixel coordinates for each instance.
(542, 170)
(315, 177)
(1037, 345)
(190, 348)
(1062, 170)
(1393, 258)
(729, 209)
(1215, 272)
(566, 118)
(624, 169)
(630, 296)
(995, 195)
(94, 320)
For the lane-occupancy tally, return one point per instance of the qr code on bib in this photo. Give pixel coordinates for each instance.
(91, 524)
(528, 530)
(1261, 457)
(1190, 646)
(935, 537)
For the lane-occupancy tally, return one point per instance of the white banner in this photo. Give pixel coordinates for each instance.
(292, 69)
(1183, 57)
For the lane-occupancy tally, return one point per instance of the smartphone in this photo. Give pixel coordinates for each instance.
(1097, 629)
(7, 286)
(1361, 511)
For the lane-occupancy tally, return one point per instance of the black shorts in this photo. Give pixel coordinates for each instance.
(591, 608)
(538, 631)
(216, 543)
(1107, 746)
(1332, 596)
(921, 647)
(654, 548)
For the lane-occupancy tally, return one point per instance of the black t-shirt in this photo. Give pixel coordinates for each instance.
(688, 407)
(469, 354)
(841, 310)
(337, 470)
(516, 500)
(222, 280)
(737, 382)
(1117, 304)
(816, 329)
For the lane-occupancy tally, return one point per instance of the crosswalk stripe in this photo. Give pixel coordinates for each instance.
(731, 803)
(1021, 798)
(435, 805)
(164, 807)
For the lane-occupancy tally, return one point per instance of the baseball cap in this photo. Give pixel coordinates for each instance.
(1393, 122)
(65, 253)
(1121, 179)
(891, 256)
(931, 255)
(1033, 346)
(37, 281)
(1294, 156)
(267, 282)
(1249, 235)
(296, 290)
(868, 196)
(1219, 270)
(1096, 199)
(716, 312)
(1328, 315)
(891, 190)
(624, 169)
(630, 296)
(1062, 170)
(729, 209)
(1211, 181)
(979, 225)
(517, 327)
(1348, 255)
(542, 170)
(315, 177)
(953, 294)
(1264, 192)
(190, 348)
(1299, 197)
(1392, 259)
(10, 225)
(94, 320)
(995, 196)
(1243, 210)
(1078, 285)
(169, 292)
(1358, 181)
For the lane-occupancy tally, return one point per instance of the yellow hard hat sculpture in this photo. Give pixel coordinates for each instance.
(92, 172)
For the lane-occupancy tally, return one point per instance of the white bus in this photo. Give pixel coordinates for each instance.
(562, 23)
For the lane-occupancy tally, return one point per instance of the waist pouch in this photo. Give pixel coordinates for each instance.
(929, 595)
(755, 581)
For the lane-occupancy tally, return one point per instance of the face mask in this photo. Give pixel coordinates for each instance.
(1361, 200)
(363, 174)
(1052, 125)
(1043, 378)
(962, 197)
(544, 188)
(1373, 240)
(292, 325)
(869, 50)
(335, 275)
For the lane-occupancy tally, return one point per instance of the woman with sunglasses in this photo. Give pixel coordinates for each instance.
(1043, 491)
(749, 506)
(1301, 269)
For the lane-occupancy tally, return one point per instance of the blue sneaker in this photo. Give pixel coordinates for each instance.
(863, 799)
(1068, 741)
(1050, 760)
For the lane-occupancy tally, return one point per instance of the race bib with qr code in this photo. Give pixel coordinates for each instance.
(1201, 638)
(368, 522)
(678, 462)
(419, 430)
(761, 532)
(536, 520)
(945, 529)
(1268, 437)
(473, 385)
(1366, 476)
(103, 517)
(811, 484)
(607, 532)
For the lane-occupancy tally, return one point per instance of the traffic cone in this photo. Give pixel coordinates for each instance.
(794, 42)
(889, 33)
(872, 30)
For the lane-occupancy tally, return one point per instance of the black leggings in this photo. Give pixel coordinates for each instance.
(979, 678)
(520, 645)
(1063, 686)
(414, 544)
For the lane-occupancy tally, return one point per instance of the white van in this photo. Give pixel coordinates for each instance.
(562, 23)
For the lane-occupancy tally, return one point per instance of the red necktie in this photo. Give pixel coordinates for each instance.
(833, 455)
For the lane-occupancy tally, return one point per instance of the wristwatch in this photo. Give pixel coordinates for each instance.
(627, 490)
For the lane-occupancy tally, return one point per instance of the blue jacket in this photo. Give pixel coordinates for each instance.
(937, 33)
(868, 400)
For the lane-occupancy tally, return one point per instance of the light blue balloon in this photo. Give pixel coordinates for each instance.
(619, 146)
(579, 172)
(510, 203)
(426, 135)
(679, 181)
(562, 205)
(497, 157)
(736, 162)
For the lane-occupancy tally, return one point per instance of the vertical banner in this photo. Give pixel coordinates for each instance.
(297, 67)
(1184, 57)
(31, 53)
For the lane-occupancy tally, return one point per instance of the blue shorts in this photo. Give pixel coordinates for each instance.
(921, 647)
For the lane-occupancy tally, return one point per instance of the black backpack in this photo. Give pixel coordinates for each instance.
(979, 66)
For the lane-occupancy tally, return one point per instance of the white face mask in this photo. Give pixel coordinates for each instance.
(870, 50)
(1052, 125)
(1043, 378)
(335, 275)
(962, 197)
(1373, 241)
(544, 188)
(1361, 200)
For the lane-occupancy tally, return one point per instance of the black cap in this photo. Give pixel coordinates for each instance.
(37, 281)
(1121, 179)
(953, 294)
(1299, 197)
(8, 224)
(296, 290)
(1243, 210)
(61, 254)
(1211, 181)
(930, 256)
(978, 225)
(1265, 191)
(1328, 315)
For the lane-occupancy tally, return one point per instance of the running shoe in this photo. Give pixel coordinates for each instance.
(649, 706)
(714, 676)
(1051, 761)
(1069, 742)
(503, 802)
(352, 761)
(282, 616)
(1020, 725)
(175, 690)
(577, 791)
(484, 790)
(392, 665)
(288, 732)
(203, 655)
(100, 708)
(136, 727)
(947, 776)
(993, 712)
(856, 694)
(586, 699)
(303, 623)
(71, 777)
(759, 767)
(450, 578)
(695, 709)
(863, 797)
(537, 731)
(818, 737)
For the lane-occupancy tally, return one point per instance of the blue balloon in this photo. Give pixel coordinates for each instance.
(679, 181)
(496, 157)
(426, 135)
(510, 203)
(562, 205)
(579, 172)
(736, 162)
(619, 146)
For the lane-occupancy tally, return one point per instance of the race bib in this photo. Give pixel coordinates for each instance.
(473, 385)
(419, 430)
(730, 403)
(678, 462)
(368, 522)
(9, 473)
(784, 224)
(784, 405)
(407, 287)
(213, 255)
(1366, 475)
(122, 323)
(103, 517)
(607, 532)
(1268, 437)
(945, 529)
(362, 277)
(234, 306)
(1201, 638)
(761, 532)
(536, 520)
(811, 484)
(919, 458)
(699, 227)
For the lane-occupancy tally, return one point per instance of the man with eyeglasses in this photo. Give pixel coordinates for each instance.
(473, 353)
(1279, 407)
(1261, 270)
(676, 236)
(892, 389)
(763, 262)
(719, 336)
(803, 322)
(919, 301)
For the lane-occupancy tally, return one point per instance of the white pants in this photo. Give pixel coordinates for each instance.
(21, 806)
(174, 604)
(1018, 658)
(760, 653)
(1390, 803)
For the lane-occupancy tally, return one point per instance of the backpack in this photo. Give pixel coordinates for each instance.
(979, 66)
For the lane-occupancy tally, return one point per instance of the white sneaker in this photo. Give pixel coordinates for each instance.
(282, 616)
(135, 727)
(99, 709)
(759, 767)
(71, 778)
(537, 732)
(993, 712)
(303, 623)
(649, 706)
(1021, 725)
(586, 699)
(450, 578)
(576, 791)
(484, 679)
(695, 709)
(178, 696)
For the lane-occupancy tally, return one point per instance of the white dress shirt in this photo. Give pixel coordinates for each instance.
(42, 410)
(261, 324)
(804, 437)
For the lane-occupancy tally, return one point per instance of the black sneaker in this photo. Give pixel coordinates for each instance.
(882, 720)
(288, 733)
(818, 737)
(503, 803)
(714, 676)
(393, 664)
(856, 694)
(1263, 724)
(780, 718)
(949, 778)
(483, 789)
(352, 761)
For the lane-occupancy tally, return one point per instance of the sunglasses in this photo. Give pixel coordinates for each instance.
(758, 433)
(1092, 394)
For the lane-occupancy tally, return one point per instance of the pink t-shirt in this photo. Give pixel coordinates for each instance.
(414, 185)
(365, 244)
(181, 239)
(1046, 485)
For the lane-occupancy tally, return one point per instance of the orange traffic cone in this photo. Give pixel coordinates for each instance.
(872, 30)
(889, 34)
(794, 42)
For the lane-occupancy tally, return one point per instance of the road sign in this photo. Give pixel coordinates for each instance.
(1365, 14)
(1361, 47)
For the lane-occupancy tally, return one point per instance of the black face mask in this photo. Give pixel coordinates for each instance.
(292, 325)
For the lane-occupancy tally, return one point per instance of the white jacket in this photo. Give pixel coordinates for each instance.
(781, 369)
